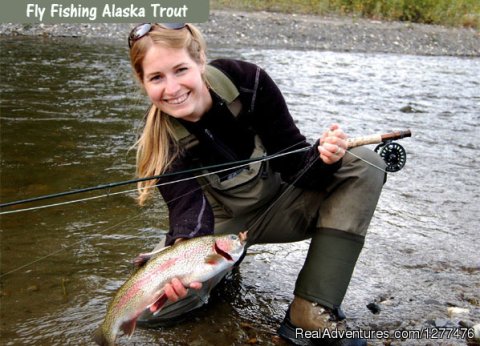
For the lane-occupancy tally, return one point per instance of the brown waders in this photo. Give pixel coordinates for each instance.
(335, 219)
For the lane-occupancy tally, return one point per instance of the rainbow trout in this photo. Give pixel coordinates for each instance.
(197, 259)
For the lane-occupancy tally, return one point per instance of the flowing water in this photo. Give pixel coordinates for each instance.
(70, 112)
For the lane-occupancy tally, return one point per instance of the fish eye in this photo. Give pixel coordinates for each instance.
(233, 237)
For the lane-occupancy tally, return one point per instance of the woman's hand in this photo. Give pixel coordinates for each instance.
(175, 289)
(333, 144)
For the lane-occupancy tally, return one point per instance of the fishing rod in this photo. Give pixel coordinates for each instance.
(393, 154)
(155, 177)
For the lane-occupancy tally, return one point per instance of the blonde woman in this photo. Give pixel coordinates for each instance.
(229, 111)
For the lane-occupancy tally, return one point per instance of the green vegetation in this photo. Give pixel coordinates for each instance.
(444, 12)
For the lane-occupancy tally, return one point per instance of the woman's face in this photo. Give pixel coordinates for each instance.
(173, 82)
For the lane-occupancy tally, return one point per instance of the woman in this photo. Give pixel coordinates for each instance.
(228, 111)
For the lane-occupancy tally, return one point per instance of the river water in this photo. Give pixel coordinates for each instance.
(70, 112)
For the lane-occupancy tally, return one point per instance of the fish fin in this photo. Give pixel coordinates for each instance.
(159, 303)
(128, 327)
(213, 259)
(99, 337)
(143, 258)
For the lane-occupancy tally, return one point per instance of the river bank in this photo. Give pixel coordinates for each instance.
(69, 103)
(292, 31)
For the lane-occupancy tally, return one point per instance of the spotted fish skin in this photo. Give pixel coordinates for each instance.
(193, 260)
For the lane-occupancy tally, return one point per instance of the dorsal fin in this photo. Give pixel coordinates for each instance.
(143, 258)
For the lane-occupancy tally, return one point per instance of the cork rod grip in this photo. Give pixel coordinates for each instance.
(376, 139)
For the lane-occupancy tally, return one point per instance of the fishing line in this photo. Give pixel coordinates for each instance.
(68, 247)
(353, 142)
(100, 232)
(259, 160)
(287, 190)
(265, 158)
(242, 163)
(173, 182)
(366, 161)
(247, 163)
(291, 185)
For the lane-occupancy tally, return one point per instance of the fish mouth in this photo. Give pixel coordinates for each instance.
(243, 237)
(222, 253)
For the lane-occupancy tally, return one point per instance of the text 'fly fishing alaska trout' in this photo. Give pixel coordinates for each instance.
(194, 260)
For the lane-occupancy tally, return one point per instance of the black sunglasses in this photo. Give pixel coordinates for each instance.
(142, 29)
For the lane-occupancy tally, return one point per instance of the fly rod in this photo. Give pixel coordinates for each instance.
(377, 139)
(352, 142)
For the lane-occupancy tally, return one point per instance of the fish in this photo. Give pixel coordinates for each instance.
(194, 260)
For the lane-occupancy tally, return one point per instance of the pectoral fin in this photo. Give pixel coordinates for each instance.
(129, 327)
(159, 303)
(214, 259)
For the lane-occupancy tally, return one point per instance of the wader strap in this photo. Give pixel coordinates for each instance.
(221, 84)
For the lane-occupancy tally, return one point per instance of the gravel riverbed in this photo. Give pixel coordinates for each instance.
(445, 288)
(292, 31)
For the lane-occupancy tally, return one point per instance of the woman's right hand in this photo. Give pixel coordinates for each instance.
(175, 289)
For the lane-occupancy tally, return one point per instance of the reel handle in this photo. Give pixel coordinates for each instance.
(376, 139)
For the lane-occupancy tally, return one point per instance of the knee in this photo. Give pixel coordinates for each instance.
(370, 167)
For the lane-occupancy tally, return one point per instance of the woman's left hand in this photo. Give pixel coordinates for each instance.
(333, 144)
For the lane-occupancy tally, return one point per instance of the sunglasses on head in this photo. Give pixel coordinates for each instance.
(142, 29)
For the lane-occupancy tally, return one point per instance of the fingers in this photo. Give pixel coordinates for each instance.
(331, 150)
(175, 289)
(196, 285)
(334, 135)
(333, 144)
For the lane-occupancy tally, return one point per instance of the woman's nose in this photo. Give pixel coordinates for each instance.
(172, 86)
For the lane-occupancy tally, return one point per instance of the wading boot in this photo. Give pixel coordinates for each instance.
(310, 324)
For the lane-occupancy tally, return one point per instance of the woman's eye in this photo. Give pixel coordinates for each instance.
(156, 78)
(182, 70)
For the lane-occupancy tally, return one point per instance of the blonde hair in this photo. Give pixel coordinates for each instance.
(157, 146)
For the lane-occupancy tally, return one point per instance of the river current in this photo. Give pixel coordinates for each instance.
(70, 112)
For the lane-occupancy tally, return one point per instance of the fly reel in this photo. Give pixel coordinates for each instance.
(393, 154)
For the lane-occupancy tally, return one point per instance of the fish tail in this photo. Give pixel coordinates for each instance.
(101, 339)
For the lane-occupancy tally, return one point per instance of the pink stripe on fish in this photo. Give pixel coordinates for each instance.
(134, 289)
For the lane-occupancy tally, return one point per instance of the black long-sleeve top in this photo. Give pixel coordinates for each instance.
(226, 138)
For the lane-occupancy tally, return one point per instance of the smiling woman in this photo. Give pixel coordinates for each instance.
(231, 110)
(148, 41)
(173, 82)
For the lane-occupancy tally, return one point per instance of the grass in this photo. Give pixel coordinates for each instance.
(457, 13)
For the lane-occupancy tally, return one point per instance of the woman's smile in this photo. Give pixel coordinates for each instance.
(177, 100)
(174, 82)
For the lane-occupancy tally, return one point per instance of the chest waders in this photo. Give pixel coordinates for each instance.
(336, 219)
(248, 188)
(243, 192)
